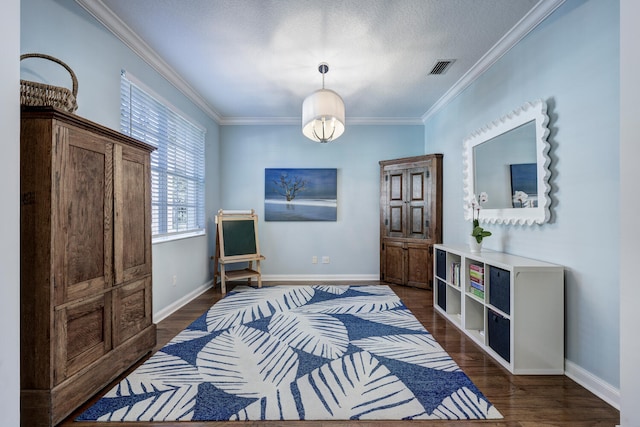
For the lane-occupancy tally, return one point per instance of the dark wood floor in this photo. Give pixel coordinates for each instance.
(523, 400)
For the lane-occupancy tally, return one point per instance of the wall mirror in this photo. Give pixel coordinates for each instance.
(508, 159)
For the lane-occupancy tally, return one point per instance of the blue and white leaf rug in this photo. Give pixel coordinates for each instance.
(298, 353)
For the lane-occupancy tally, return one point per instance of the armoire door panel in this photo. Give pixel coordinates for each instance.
(394, 262)
(132, 309)
(416, 223)
(85, 258)
(396, 189)
(83, 334)
(419, 265)
(84, 192)
(417, 186)
(396, 220)
(132, 253)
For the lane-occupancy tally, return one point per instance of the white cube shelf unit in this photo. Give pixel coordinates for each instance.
(512, 307)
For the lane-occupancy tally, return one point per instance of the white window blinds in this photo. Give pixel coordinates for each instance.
(177, 166)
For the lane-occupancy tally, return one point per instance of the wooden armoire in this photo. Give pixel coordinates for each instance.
(410, 218)
(85, 260)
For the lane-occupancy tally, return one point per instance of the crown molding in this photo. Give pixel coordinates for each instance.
(260, 121)
(406, 121)
(531, 20)
(354, 121)
(113, 23)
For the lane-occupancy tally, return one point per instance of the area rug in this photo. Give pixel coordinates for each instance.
(298, 353)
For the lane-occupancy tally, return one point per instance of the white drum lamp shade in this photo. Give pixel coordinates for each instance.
(323, 116)
(323, 113)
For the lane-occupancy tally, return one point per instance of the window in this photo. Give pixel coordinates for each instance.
(177, 166)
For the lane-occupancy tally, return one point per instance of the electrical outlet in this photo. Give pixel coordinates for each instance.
(325, 260)
(314, 259)
(174, 280)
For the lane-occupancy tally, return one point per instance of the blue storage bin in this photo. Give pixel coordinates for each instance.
(500, 289)
(499, 335)
(442, 294)
(441, 264)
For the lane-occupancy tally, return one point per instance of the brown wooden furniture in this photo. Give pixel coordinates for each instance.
(410, 218)
(85, 260)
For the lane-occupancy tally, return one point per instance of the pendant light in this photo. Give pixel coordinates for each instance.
(323, 113)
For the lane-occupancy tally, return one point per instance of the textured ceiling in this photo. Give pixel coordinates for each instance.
(251, 60)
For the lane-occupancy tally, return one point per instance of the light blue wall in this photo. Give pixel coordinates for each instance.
(351, 242)
(629, 208)
(64, 30)
(572, 62)
(10, 215)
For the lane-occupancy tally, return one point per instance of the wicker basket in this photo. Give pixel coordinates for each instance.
(44, 95)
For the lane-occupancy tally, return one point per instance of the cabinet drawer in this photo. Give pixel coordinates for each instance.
(499, 334)
(500, 289)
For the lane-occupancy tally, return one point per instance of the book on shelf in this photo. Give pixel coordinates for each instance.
(477, 276)
(477, 292)
(477, 268)
(455, 273)
(476, 285)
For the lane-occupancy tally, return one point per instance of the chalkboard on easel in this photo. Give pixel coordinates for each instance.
(239, 237)
(237, 242)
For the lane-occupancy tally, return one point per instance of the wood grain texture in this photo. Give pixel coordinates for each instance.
(132, 309)
(419, 264)
(132, 201)
(80, 236)
(524, 400)
(68, 296)
(410, 218)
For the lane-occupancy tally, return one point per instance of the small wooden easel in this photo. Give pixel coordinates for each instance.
(237, 241)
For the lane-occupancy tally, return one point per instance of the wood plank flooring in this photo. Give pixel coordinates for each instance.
(523, 400)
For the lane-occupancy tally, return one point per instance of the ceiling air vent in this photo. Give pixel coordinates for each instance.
(441, 66)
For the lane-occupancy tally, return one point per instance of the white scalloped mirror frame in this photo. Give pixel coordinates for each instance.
(530, 112)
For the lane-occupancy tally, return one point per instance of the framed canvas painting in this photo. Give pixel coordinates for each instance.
(300, 194)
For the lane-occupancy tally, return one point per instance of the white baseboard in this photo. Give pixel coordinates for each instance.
(172, 308)
(595, 385)
(320, 277)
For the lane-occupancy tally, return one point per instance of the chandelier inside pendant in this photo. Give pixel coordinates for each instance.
(323, 113)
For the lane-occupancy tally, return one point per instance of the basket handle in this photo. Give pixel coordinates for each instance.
(74, 79)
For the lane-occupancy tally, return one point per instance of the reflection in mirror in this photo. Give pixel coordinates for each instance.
(506, 164)
(508, 159)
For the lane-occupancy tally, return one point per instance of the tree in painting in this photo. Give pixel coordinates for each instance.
(289, 187)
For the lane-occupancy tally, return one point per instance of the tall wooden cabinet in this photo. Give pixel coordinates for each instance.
(410, 218)
(85, 260)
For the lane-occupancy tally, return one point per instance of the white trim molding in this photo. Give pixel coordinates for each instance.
(320, 277)
(595, 385)
(176, 305)
(528, 22)
(111, 22)
(167, 311)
